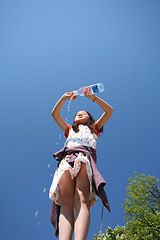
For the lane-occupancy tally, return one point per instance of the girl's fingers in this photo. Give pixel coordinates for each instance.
(75, 97)
(85, 93)
(69, 95)
(90, 96)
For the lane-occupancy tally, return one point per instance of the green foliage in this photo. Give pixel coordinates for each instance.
(142, 207)
(112, 234)
(142, 211)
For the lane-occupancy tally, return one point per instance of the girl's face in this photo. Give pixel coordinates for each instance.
(81, 117)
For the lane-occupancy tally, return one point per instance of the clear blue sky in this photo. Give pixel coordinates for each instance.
(50, 47)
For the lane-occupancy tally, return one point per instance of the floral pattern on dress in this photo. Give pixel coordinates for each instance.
(54, 193)
(86, 138)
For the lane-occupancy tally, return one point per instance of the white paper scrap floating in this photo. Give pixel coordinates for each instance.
(36, 213)
(49, 165)
(38, 224)
(44, 190)
(59, 136)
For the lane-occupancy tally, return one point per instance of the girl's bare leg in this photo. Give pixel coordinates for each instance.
(66, 220)
(81, 203)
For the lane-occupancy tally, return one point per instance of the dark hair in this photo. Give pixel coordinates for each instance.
(90, 123)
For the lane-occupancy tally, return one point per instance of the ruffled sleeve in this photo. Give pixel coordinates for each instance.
(68, 130)
(97, 131)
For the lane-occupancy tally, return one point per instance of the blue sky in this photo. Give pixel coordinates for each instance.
(49, 48)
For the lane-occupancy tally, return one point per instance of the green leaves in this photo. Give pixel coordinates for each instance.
(112, 234)
(142, 209)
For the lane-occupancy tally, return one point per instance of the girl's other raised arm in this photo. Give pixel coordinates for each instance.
(108, 110)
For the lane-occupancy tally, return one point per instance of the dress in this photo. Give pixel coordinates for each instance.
(85, 138)
(79, 147)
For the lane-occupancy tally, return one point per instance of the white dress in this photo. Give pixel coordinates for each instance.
(86, 138)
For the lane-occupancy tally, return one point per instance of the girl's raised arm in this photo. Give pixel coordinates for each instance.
(57, 108)
(108, 110)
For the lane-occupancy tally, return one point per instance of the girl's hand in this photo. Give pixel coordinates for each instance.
(88, 93)
(68, 95)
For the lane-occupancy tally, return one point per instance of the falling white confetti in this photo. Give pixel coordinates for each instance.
(51, 174)
(44, 190)
(56, 143)
(66, 119)
(36, 214)
(59, 136)
(38, 224)
(49, 165)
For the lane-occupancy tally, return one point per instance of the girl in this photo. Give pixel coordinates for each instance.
(77, 181)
